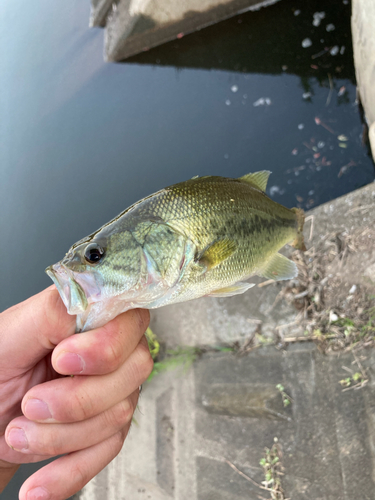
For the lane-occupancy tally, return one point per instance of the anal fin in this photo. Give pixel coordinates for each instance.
(279, 268)
(228, 291)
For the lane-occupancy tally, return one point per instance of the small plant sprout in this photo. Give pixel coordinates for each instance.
(153, 343)
(286, 399)
(272, 468)
(356, 380)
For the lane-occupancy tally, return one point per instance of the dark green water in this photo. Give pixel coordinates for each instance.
(80, 140)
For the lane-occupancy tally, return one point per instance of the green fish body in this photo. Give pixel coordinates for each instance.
(204, 236)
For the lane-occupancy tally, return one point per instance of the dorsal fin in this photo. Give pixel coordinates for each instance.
(257, 179)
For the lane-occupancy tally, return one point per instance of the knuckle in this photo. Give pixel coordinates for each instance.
(144, 361)
(117, 442)
(79, 407)
(79, 474)
(48, 446)
(113, 352)
(120, 415)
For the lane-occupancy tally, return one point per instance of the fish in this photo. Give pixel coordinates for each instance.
(202, 237)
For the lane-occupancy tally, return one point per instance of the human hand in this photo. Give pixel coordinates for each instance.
(86, 417)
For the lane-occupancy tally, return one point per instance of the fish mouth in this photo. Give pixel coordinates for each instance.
(71, 292)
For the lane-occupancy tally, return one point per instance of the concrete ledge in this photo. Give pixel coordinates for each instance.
(133, 26)
(99, 12)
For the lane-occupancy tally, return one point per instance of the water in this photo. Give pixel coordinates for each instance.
(80, 139)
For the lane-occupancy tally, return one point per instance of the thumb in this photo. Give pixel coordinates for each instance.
(31, 329)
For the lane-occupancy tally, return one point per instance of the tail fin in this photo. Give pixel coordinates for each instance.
(299, 241)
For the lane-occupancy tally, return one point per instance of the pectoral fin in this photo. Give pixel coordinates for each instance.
(215, 253)
(235, 289)
(257, 179)
(279, 268)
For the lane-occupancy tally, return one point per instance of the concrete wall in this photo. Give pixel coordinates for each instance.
(363, 28)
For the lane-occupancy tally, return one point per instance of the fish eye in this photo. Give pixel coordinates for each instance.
(93, 253)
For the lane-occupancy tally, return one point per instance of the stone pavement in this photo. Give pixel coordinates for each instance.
(227, 407)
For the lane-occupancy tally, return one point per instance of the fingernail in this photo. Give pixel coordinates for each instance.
(38, 493)
(17, 439)
(36, 409)
(70, 363)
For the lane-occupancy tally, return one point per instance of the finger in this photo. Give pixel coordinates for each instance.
(37, 325)
(79, 398)
(33, 438)
(104, 349)
(67, 475)
(16, 457)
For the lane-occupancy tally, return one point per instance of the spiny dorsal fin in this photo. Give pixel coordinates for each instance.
(215, 253)
(228, 291)
(257, 179)
(279, 268)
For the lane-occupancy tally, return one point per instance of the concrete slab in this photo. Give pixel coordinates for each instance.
(133, 26)
(228, 407)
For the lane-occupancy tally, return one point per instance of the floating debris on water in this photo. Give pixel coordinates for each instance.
(301, 126)
(343, 145)
(335, 50)
(342, 137)
(234, 88)
(318, 121)
(321, 144)
(284, 67)
(262, 101)
(318, 16)
(297, 12)
(310, 193)
(341, 91)
(330, 27)
(227, 102)
(295, 169)
(306, 43)
(276, 190)
(321, 53)
(306, 95)
(295, 152)
(342, 50)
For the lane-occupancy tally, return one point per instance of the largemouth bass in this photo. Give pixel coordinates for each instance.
(204, 236)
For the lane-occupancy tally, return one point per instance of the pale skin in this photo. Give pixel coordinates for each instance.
(87, 417)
